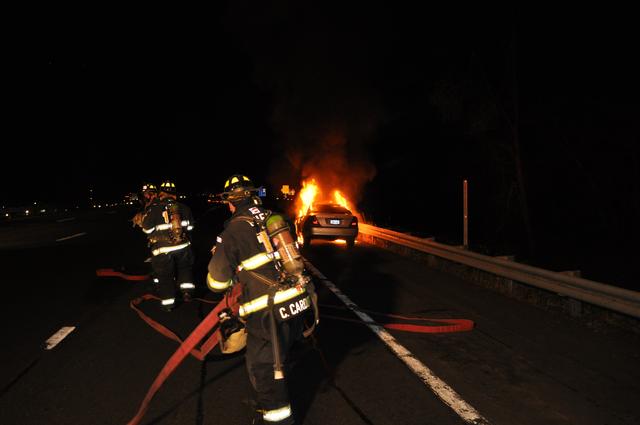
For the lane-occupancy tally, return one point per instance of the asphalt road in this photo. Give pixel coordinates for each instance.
(519, 365)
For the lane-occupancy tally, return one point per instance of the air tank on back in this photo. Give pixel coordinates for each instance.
(283, 242)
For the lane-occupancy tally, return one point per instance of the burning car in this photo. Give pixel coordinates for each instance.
(328, 221)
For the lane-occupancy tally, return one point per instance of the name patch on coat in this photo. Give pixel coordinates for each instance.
(292, 308)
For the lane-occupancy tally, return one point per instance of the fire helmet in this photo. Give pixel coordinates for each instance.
(149, 187)
(238, 187)
(168, 187)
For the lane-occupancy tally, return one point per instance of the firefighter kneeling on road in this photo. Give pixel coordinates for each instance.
(167, 224)
(278, 302)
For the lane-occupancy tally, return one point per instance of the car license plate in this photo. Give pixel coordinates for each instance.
(334, 221)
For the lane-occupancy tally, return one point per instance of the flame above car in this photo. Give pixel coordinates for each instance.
(311, 193)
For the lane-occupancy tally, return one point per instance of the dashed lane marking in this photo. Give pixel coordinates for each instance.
(57, 337)
(426, 375)
(62, 220)
(71, 237)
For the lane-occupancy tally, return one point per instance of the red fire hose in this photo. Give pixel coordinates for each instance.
(230, 300)
(113, 273)
(450, 325)
(188, 346)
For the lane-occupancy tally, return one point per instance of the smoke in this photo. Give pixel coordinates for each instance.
(319, 65)
(334, 163)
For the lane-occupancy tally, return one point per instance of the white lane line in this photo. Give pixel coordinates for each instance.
(58, 336)
(62, 220)
(437, 385)
(71, 237)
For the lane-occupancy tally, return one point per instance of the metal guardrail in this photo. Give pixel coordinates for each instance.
(596, 293)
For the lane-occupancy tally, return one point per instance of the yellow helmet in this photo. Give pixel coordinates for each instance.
(238, 187)
(149, 187)
(168, 187)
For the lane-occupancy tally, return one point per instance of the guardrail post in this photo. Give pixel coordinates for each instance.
(574, 306)
(465, 216)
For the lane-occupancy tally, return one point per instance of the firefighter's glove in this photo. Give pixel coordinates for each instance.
(137, 219)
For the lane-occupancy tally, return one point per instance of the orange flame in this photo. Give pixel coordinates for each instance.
(311, 193)
(308, 194)
(341, 200)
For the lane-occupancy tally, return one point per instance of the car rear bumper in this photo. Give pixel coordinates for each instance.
(332, 233)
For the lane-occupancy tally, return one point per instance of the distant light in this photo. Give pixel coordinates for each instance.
(26, 212)
(6, 215)
(35, 202)
(43, 211)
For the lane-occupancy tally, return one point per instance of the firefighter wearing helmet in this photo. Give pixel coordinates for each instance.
(168, 224)
(148, 192)
(275, 305)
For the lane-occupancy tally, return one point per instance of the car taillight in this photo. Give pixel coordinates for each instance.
(354, 222)
(314, 221)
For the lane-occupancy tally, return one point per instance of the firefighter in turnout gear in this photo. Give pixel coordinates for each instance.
(167, 224)
(256, 249)
(148, 193)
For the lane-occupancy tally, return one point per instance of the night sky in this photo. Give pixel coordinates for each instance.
(108, 98)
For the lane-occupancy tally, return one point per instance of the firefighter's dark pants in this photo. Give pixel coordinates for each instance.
(270, 393)
(172, 269)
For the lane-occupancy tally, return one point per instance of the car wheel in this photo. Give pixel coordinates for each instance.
(351, 242)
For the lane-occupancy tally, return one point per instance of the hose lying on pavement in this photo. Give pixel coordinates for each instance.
(201, 335)
(450, 325)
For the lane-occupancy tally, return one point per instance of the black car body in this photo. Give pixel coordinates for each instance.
(327, 221)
